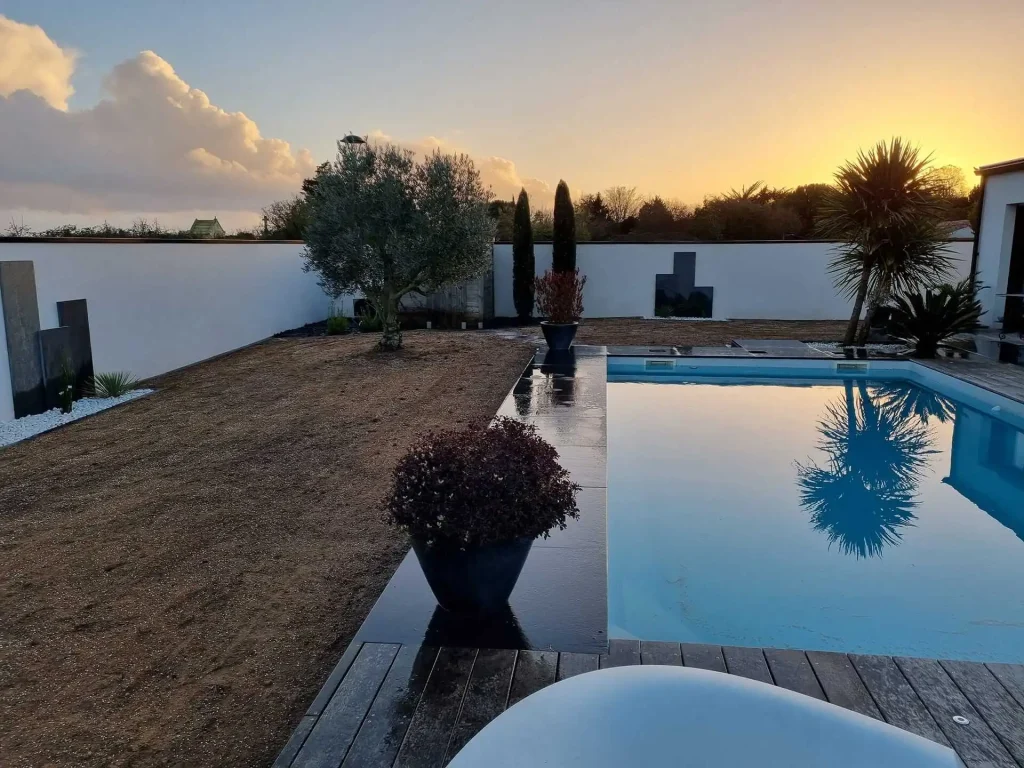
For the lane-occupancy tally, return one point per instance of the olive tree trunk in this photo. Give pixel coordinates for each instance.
(391, 329)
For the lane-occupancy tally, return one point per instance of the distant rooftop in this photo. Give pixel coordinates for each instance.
(1007, 166)
(207, 228)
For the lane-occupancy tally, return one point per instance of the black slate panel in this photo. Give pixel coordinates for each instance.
(667, 654)
(899, 703)
(975, 742)
(572, 664)
(74, 314)
(430, 731)
(841, 683)
(486, 696)
(621, 653)
(791, 669)
(534, 670)
(21, 327)
(990, 698)
(54, 353)
(381, 734)
(328, 742)
(747, 662)
(587, 465)
(703, 656)
(334, 679)
(560, 602)
(295, 741)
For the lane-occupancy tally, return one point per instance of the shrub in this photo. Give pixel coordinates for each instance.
(468, 488)
(370, 323)
(560, 296)
(113, 384)
(337, 325)
(563, 238)
(929, 318)
(522, 258)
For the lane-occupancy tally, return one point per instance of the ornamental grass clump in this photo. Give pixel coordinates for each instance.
(560, 296)
(462, 489)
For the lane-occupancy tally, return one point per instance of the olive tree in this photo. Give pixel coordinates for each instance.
(386, 225)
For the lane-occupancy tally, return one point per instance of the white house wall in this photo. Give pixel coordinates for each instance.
(155, 307)
(771, 281)
(1002, 193)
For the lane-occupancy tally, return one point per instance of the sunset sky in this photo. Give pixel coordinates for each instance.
(115, 110)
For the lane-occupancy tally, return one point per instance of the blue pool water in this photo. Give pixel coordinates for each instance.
(868, 516)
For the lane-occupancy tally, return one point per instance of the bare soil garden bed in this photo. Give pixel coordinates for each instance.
(178, 576)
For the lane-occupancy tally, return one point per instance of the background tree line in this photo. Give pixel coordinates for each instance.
(757, 212)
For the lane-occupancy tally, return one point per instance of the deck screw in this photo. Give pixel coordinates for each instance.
(961, 720)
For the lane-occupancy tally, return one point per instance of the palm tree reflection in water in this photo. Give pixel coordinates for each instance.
(877, 445)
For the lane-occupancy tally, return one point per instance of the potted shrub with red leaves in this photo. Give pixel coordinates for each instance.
(560, 301)
(473, 501)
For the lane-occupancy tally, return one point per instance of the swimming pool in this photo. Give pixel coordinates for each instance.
(787, 504)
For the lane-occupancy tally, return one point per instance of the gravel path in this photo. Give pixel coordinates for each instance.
(178, 575)
(28, 426)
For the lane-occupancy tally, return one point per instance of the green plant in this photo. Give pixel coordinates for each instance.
(66, 393)
(370, 322)
(884, 210)
(337, 325)
(114, 384)
(928, 318)
(563, 238)
(469, 488)
(384, 225)
(560, 296)
(523, 265)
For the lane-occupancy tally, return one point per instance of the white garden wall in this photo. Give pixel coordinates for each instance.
(771, 281)
(155, 307)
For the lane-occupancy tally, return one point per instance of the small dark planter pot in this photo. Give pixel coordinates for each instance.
(559, 336)
(473, 581)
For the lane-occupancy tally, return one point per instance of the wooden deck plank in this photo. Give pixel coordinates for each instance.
(660, 653)
(791, 669)
(385, 726)
(703, 656)
(975, 742)
(486, 696)
(426, 741)
(534, 670)
(572, 664)
(899, 703)
(1012, 678)
(1002, 713)
(747, 662)
(328, 742)
(621, 653)
(841, 683)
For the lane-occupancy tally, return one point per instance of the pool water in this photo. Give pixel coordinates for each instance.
(867, 516)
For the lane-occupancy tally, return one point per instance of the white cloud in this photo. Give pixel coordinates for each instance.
(30, 60)
(152, 143)
(497, 173)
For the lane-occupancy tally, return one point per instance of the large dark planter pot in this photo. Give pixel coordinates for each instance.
(478, 580)
(559, 336)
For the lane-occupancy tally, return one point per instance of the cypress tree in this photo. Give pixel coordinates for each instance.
(522, 258)
(563, 250)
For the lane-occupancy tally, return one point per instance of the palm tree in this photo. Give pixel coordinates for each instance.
(866, 493)
(884, 211)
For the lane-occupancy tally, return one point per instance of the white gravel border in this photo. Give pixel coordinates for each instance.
(836, 348)
(28, 426)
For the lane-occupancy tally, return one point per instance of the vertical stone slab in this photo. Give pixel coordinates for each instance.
(54, 350)
(21, 327)
(75, 315)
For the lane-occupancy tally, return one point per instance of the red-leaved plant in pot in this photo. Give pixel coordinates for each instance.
(472, 502)
(560, 301)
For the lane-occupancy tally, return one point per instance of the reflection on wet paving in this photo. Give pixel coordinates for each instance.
(560, 600)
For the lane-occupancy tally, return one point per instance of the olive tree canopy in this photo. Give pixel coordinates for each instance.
(385, 225)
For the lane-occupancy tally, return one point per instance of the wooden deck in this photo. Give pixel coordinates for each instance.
(416, 707)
